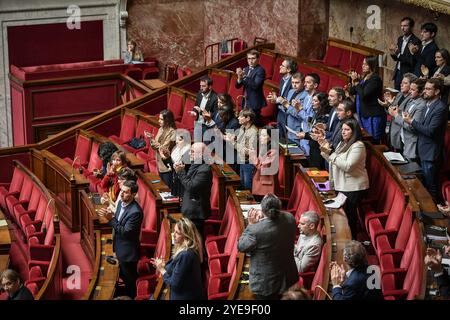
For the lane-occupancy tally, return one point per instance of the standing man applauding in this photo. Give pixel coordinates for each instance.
(252, 78)
(126, 224)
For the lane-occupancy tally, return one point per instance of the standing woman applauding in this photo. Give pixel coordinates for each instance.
(348, 169)
(182, 272)
(367, 90)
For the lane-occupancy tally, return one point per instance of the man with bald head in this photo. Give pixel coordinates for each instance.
(197, 184)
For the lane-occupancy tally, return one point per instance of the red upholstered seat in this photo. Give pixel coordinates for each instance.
(94, 163)
(332, 56)
(148, 277)
(220, 80)
(321, 273)
(127, 129)
(276, 77)
(267, 60)
(268, 112)
(82, 152)
(385, 243)
(236, 94)
(29, 210)
(13, 189)
(149, 234)
(222, 275)
(175, 103)
(324, 78)
(141, 127)
(296, 194)
(187, 121)
(389, 221)
(24, 197)
(405, 281)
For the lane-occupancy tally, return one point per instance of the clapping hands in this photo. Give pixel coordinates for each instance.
(337, 273)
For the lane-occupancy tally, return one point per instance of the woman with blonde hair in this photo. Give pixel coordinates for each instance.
(182, 272)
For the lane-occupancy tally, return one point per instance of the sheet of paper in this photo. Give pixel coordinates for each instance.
(246, 207)
(394, 156)
(337, 202)
(3, 223)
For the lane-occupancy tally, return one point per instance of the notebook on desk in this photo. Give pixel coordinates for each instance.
(409, 168)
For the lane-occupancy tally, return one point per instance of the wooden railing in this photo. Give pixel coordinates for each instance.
(63, 181)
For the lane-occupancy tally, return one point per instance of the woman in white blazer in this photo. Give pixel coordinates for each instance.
(348, 169)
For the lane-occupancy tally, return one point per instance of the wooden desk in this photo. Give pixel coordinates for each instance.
(154, 84)
(4, 262)
(108, 273)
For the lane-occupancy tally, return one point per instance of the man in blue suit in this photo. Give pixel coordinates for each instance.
(126, 224)
(431, 134)
(360, 282)
(252, 78)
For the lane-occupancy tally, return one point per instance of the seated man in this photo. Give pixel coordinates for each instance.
(353, 284)
(309, 245)
(10, 282)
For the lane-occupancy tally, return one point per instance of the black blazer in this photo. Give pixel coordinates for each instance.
(426, 58)
(253, 88)
(369, 92)
(431, 131)
(127, 232)
(197, 184)
(183, 275)
(406, 59)
(211, 105)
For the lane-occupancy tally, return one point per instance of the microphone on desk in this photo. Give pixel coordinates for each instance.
(72, 176)
(44, 227)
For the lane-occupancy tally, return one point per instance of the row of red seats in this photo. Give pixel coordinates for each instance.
(221, 249)
(149, 282)
(271, 62)
(30, 207)
(339, 58)
(394, 234)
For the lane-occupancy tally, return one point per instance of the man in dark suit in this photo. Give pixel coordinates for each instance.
(252, 78)
(126, 224)
(405, 61)
(269, 239)
(431, 134)
(425, 54)
(197, 184)
(287, 68)
(360, 282)
(206, 102)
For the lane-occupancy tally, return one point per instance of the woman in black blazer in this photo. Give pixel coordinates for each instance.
(182, 272)
(367, 91)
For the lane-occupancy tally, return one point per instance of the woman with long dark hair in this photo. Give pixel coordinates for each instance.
(163, 143)
(348, 169)
(367, 89)
(321, 109)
